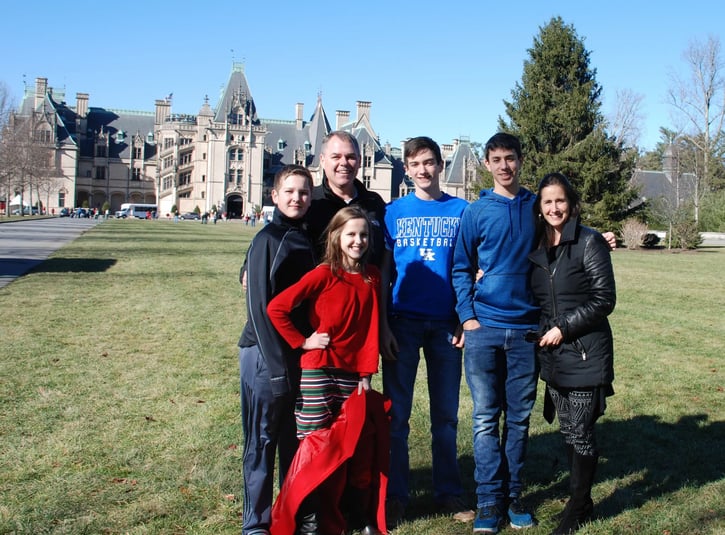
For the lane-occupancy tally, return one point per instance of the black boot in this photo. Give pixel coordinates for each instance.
(580, 506)
(307, 521)
(360, 515)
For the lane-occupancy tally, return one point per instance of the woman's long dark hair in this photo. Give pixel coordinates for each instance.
(572, 197)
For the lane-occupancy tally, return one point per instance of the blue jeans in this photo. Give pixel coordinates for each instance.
(501, 374)
(268, 423)
(443, 364)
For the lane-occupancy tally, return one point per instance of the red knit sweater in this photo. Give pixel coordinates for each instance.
(345, 308)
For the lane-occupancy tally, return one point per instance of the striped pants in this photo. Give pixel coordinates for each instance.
(322, 393)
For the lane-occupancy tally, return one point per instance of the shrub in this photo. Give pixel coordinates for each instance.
(633, 232)
(685, 234)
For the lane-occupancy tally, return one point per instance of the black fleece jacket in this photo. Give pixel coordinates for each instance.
(279, 255)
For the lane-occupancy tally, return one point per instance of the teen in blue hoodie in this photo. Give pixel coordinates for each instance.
(490, 278)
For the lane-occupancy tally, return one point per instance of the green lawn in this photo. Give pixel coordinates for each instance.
(120, 396)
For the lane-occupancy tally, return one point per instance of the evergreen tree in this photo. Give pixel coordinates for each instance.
(556, 113)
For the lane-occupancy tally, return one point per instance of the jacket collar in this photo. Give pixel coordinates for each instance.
(282, 220)
(569, 232)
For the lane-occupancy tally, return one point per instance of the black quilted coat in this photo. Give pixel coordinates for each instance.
(575, 290)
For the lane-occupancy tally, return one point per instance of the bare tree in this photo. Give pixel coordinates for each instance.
(699, 103)
(624, 123)
(6, 106)
(24, 157)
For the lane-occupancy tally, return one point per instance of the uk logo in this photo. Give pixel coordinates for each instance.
(427, 254)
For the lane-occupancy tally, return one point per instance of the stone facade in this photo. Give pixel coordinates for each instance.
(223, 158)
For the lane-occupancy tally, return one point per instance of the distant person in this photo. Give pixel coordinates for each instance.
(279, 255)
(573, 282)
(340, 160)
(339, 357)
(421, 230)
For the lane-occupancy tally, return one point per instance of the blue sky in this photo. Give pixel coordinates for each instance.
(440, 69)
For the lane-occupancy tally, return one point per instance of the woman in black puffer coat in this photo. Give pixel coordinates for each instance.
(573, 283)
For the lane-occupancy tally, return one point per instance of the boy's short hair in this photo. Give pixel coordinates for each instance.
(503, 140)
(414, 145)
(288, 170)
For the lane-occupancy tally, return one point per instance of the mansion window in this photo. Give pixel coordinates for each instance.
(168, 162)
(100, 151)
(61, 199)
(100, 173)
(185, 158)
(136, 173)
(43, 136)
(137, 153)
(185, 179)
(168, 181)
(168, 142)
(367, 161)
(366, 181)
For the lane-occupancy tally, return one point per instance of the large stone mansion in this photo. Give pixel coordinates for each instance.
(220, 158)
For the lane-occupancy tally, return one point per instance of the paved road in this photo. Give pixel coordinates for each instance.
(26, 243)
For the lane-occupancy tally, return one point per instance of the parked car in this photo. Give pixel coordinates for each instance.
(26, 211)
(64, 212)
(190, 215)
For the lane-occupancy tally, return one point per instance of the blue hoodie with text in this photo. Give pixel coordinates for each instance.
(496, 235)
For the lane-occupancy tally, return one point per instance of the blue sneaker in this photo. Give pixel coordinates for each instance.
(519, 517)
(488, 519)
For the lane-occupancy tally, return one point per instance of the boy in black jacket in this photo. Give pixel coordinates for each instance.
(278, 256)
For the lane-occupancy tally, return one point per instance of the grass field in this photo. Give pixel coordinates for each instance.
(119, 394)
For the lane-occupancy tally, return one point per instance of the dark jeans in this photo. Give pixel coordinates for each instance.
(268, 424)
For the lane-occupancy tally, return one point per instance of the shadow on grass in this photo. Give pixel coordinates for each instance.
(656, 459)
(74, 265)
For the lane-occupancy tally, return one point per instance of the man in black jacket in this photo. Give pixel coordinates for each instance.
(340, 160)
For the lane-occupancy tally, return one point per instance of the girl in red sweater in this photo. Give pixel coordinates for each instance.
(342, 296)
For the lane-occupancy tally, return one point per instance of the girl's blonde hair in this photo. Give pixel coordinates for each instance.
(334, 256)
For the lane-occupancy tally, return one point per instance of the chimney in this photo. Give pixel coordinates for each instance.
(298, 115)
(82, 105)
(163, 109)
(363, 109)
(41, 88)
(342, 118)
